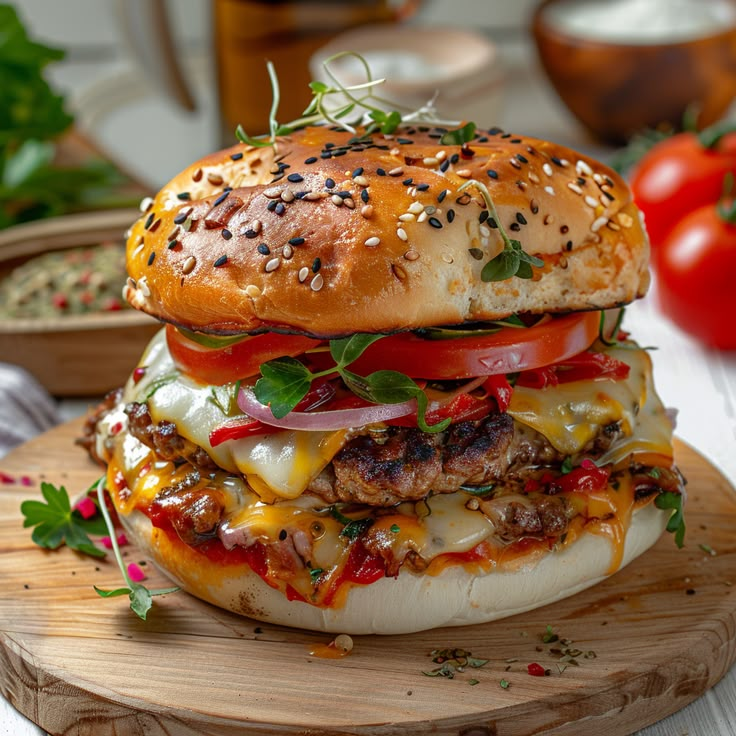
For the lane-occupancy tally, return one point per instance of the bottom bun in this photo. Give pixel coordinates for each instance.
(409, 602)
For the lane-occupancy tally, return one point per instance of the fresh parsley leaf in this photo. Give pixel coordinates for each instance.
(284, 383)
(356, 527)
(56, 523)
(676, 523)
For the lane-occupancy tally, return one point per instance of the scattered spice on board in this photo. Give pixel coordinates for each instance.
(452, 661)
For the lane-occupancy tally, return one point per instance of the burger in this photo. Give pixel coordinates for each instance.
(391, 391)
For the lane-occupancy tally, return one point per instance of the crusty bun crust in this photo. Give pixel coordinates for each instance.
(327, 233)
(415, 602)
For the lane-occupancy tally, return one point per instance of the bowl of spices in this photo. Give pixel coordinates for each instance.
(622, 66)
(62, 315)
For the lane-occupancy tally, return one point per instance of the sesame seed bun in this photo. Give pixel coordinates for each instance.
(328, 233)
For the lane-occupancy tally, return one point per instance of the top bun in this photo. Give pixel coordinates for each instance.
(328, 233)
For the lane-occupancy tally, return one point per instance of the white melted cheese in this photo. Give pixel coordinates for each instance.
(281, 464)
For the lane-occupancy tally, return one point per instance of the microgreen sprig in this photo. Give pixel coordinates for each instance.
(141, 598)
(513, 260)
(373, 111)
(676, 523)
(285, 381)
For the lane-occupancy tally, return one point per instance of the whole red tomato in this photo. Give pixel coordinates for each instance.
(680, 174)
(696, 287)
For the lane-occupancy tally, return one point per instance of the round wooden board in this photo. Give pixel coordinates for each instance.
(663, 631)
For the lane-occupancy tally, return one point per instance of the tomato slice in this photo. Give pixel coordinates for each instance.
(217, 366)
(509, 350)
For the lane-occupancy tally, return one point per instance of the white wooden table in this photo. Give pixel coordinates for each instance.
(700, 383)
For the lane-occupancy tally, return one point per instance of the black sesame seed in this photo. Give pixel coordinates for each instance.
(434, 222)
(609, 196)
(325, 154)
(422, 187)
(492, 173)
(329, 145)
(483, 216)
(221, 261)
(236, 156)
(341, 152)
(172, 244)
(380, 172)
(441, 196)
(330, 183)
(581, 182)
(280, 208)
(264, 250)
(295, 178)
(495, 131)
(521, 158)
(283, 166)
(149, 220)
(184, 196)
(151, 257)
(344, 194)
(515, 227)
(450, 215)
(310, 160)
(226, 234)
(534, 207)
(283, 535)
(608, 181)
(520, 218)
(271, 206)
(221, 199)
(506, 135)
(316, 265)
(445, 165)
(492, 223)
(556, 160)
(454, 158)
(407, 182)
(364, 195)
(296, 241)
(227, 189)
(250, 233)
(404, 141)
(483, 139)
(568, 245)
(358, 172)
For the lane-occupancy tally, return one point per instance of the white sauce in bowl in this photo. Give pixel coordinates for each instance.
(641, 21)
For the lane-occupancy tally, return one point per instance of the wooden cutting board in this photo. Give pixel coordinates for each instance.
(652, 639)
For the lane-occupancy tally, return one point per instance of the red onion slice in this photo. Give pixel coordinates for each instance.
(320, 421)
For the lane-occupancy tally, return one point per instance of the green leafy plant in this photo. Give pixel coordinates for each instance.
(32, 116)
(676, 523)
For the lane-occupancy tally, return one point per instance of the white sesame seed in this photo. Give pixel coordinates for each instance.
(422, 216)
(591, 201)
(441, 155)
(367, 211)
(604, 202)
(408, 217)
(312, 196)
(252, 291)
(613, 226)
(547, 169)
(317, 282)
(564, 162)
(416, 207)
(430, 161)
(272, 193)
(582, 168)
(625, 220)
(574, 188)
(349, 202)
(336, 200)
(138, 249)
(287, 251)
(485, 231)
(273, 264)
(146, 204)
(287, 195)
(361, 181)
(398, 171)
(395, 151)
(402, 234)
(598, 224)
(550, 191)
(411, 255)
(484, 242)
(189, 265)
(373, 242)
(598, 179)
(303, 273)
(465, 173)
(143, 286)
(533, 178)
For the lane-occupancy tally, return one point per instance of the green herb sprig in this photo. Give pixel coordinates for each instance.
(285, 382)
(56, 523)
(141, 598)
(370, 109)
(676, 523)
(513, 260)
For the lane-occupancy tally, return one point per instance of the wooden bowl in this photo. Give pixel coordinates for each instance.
(617, 89)
(76, 355)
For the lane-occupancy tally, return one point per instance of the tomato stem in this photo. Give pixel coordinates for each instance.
(710, 137)
(726, 206)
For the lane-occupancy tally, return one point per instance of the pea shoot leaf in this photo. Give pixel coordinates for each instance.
(676, 523)
(56, 523)
(284, 383)
(348, 349)
(459, 135)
